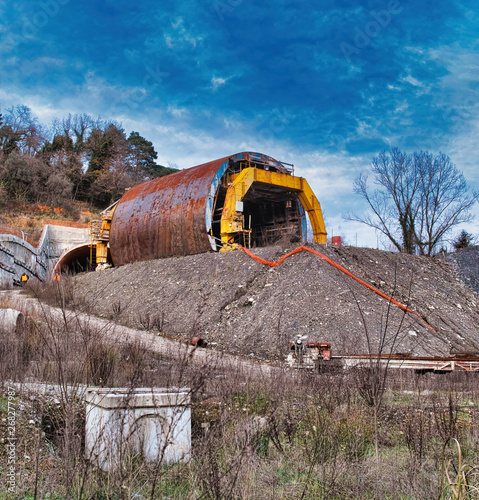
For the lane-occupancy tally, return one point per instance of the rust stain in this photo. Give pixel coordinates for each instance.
(163, 217)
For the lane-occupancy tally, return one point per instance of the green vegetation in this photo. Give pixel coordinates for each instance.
(77, 159)
(463, 240)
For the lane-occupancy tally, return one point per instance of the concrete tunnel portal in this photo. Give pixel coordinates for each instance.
(247, 199)
(78, 260)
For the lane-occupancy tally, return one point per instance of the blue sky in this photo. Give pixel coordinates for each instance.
(324, 85)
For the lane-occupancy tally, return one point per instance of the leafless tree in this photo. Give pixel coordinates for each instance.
(24, 131)
(76, 127)
(420, 198)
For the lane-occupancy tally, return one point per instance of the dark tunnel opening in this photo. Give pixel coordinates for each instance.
(270, 213)
(272, 220)
(78, 260)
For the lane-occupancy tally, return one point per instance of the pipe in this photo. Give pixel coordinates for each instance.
(12, 320)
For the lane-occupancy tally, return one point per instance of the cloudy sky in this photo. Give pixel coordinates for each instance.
(323, 85)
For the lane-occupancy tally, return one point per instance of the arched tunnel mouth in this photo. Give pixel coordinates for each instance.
(268, 212)
(269, 215)
(78, 260)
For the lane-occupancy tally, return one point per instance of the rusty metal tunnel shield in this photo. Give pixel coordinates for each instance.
(173, 215)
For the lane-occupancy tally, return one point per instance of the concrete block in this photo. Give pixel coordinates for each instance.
(150, 423)
(12, 320)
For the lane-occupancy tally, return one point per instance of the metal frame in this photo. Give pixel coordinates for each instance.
(232, 219)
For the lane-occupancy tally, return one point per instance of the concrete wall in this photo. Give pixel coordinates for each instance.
(17, 256)
(61, 239)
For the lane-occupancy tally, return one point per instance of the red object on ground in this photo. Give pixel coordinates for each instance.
(336, 240)
(198, 342)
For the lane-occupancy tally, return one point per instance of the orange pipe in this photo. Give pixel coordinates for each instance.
(337, 266)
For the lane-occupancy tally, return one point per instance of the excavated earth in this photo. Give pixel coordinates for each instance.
(243, 307)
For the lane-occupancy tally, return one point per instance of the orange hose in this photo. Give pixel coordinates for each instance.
(337, 266)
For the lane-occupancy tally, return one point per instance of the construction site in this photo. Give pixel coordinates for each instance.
(196, 254)
(204, 338)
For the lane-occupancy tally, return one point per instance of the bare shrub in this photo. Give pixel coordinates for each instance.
(446, 417)
(287, 434)
(117, 308)
(101, 359)
(418, 431)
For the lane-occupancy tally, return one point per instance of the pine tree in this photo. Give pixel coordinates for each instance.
(463, 240)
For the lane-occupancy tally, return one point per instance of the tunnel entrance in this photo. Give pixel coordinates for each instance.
(258, 204)
(78, 260)
(268, 216)
(271, 220)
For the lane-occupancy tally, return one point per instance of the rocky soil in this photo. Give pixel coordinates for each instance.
(243, 307)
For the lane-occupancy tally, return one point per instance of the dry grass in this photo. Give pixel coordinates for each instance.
(297, 435)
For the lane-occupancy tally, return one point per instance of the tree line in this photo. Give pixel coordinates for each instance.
(75, 158)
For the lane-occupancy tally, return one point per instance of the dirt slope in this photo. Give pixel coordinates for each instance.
(247, 308)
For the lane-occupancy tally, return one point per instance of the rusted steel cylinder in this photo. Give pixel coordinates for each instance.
(163, 217)
(171, 215)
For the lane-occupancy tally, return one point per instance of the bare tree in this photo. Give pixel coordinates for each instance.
(77, 127)
(25, 130)
(420, 198)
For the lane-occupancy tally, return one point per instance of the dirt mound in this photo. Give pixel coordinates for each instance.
(248, 308)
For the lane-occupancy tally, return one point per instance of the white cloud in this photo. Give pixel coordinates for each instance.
(180, 36)
(39, 65)
(12, 62)
(177, 112)
(413, 81)
(217, 82)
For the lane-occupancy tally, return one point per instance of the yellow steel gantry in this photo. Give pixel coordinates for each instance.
(100, 236)
(239, 184)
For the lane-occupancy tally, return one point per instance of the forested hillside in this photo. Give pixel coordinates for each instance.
(76, 158)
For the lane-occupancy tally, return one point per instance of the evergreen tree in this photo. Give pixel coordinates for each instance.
(463, 240)
(143, 159)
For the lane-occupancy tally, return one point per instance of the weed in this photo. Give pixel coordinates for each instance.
(290, 435)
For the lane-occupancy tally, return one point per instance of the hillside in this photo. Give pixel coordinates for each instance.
(29, 219)
(244, 307)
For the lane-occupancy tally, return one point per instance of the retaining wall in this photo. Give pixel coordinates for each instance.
(18, 256)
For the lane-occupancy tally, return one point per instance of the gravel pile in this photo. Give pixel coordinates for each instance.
(244, 307)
